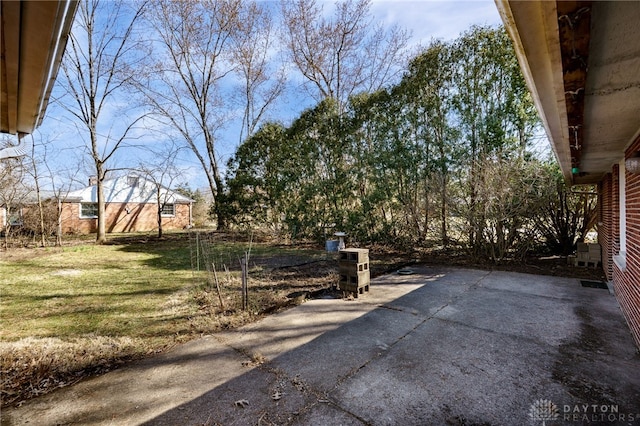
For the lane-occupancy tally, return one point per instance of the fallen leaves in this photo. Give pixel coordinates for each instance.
(276, 395)
(241, 403)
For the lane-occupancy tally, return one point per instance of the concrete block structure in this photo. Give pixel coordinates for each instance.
(353, 268)
(588, 255)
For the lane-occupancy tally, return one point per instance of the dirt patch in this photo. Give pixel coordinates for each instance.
(67, 273)
(537, 265)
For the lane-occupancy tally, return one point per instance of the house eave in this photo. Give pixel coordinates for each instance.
(581, 61)
(33, 38)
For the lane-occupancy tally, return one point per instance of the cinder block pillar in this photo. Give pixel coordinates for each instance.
(354, 271)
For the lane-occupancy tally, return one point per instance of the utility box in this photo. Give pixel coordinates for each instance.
(588, 254)
(354, 273)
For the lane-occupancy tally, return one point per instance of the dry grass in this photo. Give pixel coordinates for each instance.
(68, 313)
(33, 366)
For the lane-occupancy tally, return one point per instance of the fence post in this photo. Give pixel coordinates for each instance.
(197, 251)
(245, 272)
(215, 276)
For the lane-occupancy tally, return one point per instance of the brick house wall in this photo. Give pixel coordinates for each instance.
(124, 217)
(625, 276)
(605, 224)
(615, 210)
(627, 282)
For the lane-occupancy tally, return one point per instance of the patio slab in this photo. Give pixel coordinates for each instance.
(443, 346)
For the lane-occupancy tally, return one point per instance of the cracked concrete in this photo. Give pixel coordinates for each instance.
(440, 347)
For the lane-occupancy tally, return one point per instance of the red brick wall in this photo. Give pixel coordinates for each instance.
(627, 282)
(124, 217)
(605, 224)
(615, 209)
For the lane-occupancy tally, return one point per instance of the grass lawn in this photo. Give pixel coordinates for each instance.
(84, 309)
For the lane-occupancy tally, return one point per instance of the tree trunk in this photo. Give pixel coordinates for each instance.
(159, 221)
(59, 223)
(101, 233)
(43, 241)
(160, 206)
(443, 212)
(38, 197)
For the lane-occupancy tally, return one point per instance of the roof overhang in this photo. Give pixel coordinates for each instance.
(33, 38)
(581, 61)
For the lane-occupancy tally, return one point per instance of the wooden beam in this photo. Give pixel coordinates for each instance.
(574, 25)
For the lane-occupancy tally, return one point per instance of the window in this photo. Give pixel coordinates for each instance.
(14, 216)
(168, 210)
(89, 210)
(132, 180)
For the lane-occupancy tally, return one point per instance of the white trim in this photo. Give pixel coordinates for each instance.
(621, 258)
(635, 137)
(621, 261)
(66, 14)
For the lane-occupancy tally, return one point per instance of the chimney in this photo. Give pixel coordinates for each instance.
(93, 180)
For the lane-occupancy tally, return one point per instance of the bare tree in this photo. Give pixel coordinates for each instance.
(343, 55)
(14, 191)
(184, 86)
(58, 181)
(162, 173)
(253, 53)
(34, 171)
(96, 71)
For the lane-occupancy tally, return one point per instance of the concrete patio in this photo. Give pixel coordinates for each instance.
(443, 346)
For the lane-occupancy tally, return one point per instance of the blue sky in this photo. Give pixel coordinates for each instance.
(425, 19)
(436, 19)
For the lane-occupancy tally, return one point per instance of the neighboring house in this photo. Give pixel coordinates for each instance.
(131, 205)
(581, 60)
(22, 210)
(10, 217)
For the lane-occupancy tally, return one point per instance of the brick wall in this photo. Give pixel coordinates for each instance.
(615, 210)
(605, 224)
(627, 282)
(124, 217)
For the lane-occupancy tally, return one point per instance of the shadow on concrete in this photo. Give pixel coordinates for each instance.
(441, 347)
(479, 353)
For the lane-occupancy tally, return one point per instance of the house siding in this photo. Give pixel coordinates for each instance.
(124, 217)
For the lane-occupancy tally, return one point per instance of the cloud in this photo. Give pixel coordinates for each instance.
(427, 19)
